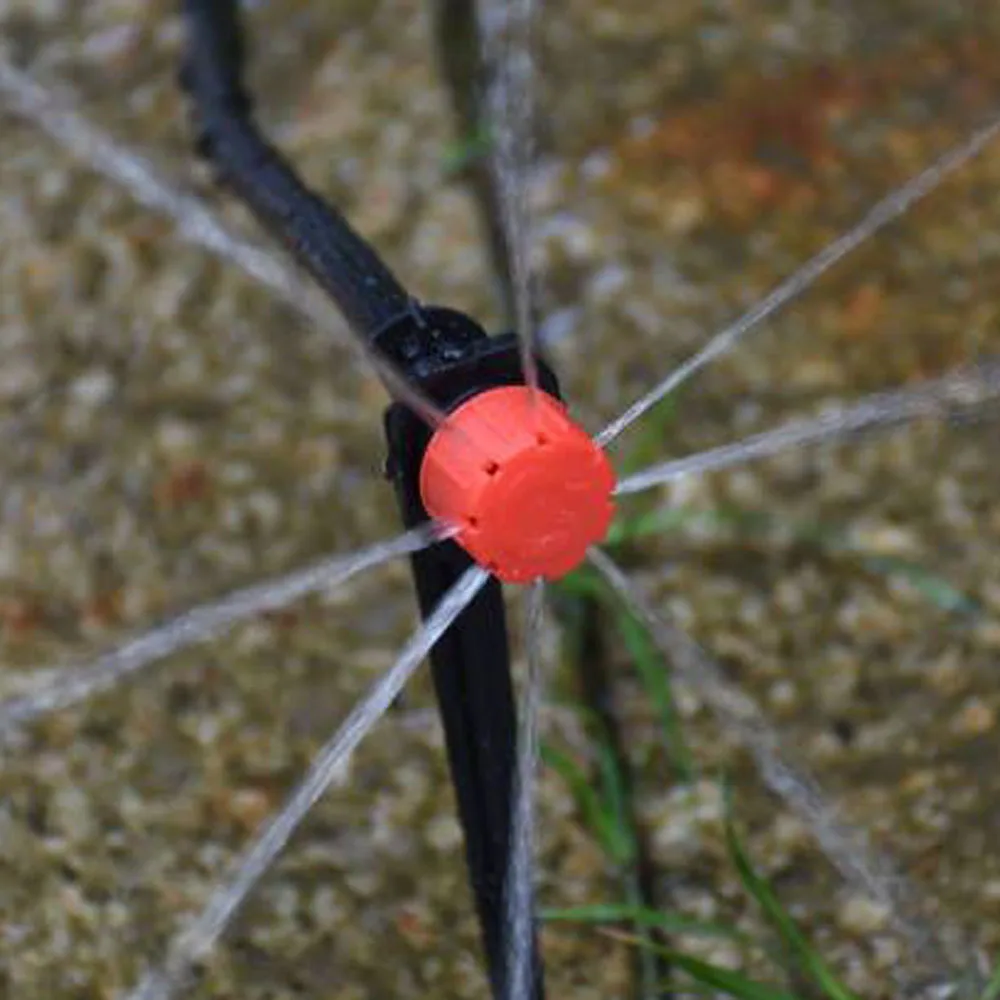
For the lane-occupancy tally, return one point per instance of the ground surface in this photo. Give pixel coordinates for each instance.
(172, 433)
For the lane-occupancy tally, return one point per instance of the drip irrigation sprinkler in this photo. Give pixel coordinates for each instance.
(526, 488)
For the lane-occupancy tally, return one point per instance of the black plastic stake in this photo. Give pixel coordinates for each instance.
(471, 663)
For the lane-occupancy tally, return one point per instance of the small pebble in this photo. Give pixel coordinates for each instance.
(975, 719)
(860, 915)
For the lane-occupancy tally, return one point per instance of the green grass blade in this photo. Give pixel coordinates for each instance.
(760, 889)
(582, 582)
(642, 916)
(755, 526)
(655, 677)
(992, 991)
(596, 815)
(623, 841)
(459, 156)
(931, 586)
(734, 984)
(662, 521)
(648, 444)
(649, 665)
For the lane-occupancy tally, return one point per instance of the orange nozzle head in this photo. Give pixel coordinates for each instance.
(527, 488)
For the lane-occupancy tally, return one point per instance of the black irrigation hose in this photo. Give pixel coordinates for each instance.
(349, 270)
(465, 74)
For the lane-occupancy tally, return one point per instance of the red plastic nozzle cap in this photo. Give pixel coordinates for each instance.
(527, 488)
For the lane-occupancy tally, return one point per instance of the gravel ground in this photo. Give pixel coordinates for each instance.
(170, 432)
